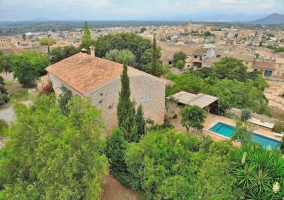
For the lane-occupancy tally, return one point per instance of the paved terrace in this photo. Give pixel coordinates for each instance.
(211, 120)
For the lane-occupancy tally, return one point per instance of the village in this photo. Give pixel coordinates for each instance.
(203, 44)
(256, 61)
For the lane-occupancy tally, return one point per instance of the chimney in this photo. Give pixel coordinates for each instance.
(84, 50)
(92, 49)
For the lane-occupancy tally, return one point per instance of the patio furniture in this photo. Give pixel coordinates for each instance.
(258, 122)
(279, 134)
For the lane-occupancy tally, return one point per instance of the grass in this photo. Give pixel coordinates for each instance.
(16, 91)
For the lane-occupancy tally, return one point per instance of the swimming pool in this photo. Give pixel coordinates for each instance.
(227, 130)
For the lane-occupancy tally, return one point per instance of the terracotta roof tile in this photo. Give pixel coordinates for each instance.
(263, 65)
(84, 72)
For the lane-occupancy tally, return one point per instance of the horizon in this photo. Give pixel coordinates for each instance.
(127, 10)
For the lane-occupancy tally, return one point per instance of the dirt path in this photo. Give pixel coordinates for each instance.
(113, 190)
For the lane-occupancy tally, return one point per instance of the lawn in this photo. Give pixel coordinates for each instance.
(16, 91)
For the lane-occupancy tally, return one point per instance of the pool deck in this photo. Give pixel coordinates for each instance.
(211, 120)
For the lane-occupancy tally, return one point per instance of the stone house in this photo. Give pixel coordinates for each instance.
(99, 79)
(199, 55)
(267, 69)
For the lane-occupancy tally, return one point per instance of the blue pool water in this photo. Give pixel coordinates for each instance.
(226, 130)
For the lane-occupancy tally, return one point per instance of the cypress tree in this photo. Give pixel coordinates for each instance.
(126, 108)
(140, 122)
(115, 150)
(87, 34)
(154, 69)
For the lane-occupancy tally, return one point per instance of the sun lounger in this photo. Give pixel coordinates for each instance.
(258, 122)
(279, 134)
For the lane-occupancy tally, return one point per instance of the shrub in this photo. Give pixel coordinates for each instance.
(3, 128)
(278, 127)
(246, 114)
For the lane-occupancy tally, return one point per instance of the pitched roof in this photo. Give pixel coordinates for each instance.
(201, 100)
(263, 65)
(84, 72)
(200, 51)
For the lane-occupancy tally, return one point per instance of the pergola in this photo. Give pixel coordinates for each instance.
(201, 100)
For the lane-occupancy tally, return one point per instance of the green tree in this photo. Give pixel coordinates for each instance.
(126, 109)
(118, 56)
(230, 68)
(179, 56)
(155, 65)
(115, 149)
(87, 34)
(28, 67)
(52, 156)
(4, 96)
(139, 46)
(142, 30)
(87, 40)
(207, 33)
(192, 116)
(243, 133)
(246, 114)
(140, 122)
(64, 98)
(203, 72)
(163, 164)
(47, 41)
(24, 37)
(180, 64)
(6, 63)
(59, 54)
(184, 82)
(214, 174)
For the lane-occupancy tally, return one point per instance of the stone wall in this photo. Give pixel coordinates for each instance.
(263, 118)
(145, 90)
(106, 98)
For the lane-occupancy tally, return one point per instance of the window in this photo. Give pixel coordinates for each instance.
(267, 73)
(146, 97)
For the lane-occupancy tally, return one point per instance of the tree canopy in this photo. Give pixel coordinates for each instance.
(140, 47)
(229, 81)
(53, 156)
(230, 68)
(29, 66)
(192, 116)
(179, 56)
(126, 108)
(59, 54)
(118, 56)
(47, 41)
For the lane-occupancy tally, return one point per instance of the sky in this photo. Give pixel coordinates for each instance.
(16, 10)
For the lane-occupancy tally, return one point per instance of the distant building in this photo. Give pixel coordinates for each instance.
(200, 55)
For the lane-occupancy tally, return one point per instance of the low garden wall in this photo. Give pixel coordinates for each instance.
(262, 118)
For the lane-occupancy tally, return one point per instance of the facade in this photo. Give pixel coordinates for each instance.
(267, 69)
(99, 79)
(200, 55)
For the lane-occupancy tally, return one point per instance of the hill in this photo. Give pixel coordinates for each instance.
(270, 19)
